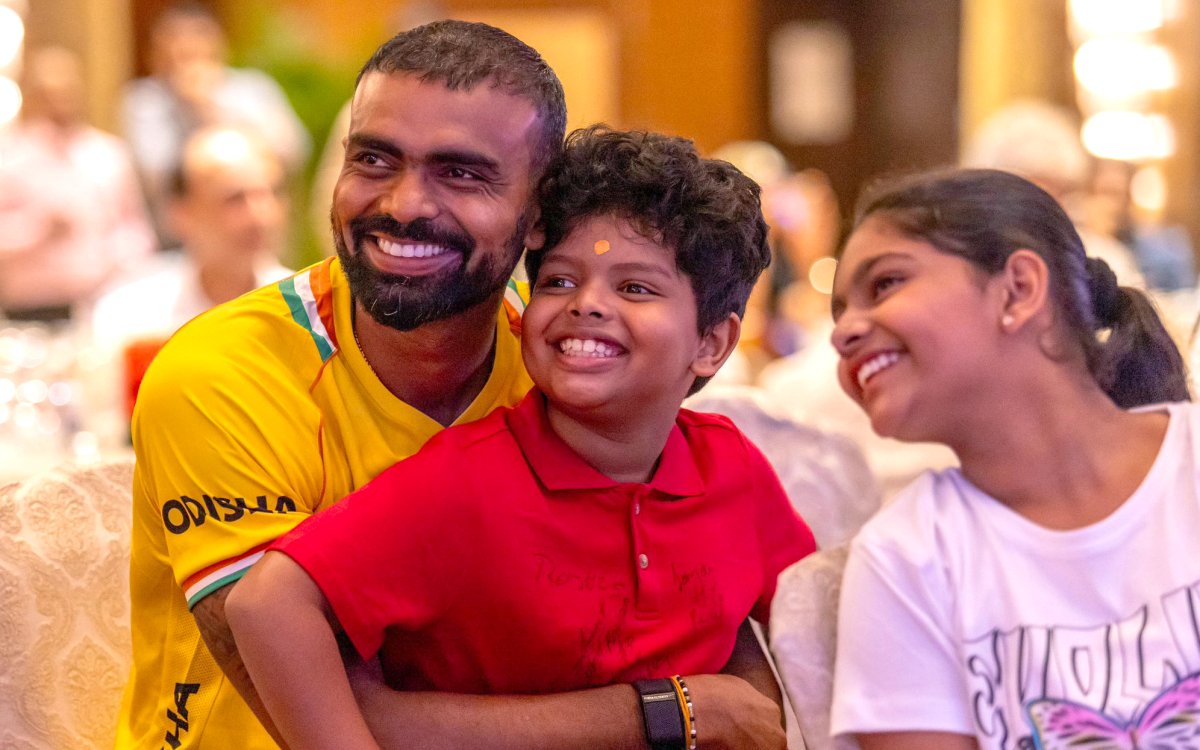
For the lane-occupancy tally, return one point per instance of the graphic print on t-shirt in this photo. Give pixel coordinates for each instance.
(1171, 720)
(1134, 683)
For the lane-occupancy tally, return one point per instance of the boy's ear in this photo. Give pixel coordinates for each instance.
(1025, 288)
(716, 346)
(534, 236)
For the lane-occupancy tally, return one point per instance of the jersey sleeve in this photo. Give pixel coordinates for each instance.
(896, 665)
(396, 552)
(783, 535)
(228, 457)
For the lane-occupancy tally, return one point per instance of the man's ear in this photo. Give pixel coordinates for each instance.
(716, 346)
(1025, 289)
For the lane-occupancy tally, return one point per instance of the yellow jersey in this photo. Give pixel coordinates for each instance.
(255, 415)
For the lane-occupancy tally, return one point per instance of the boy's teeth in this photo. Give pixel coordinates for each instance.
(410, 250)
(587, 348)
(876, 364)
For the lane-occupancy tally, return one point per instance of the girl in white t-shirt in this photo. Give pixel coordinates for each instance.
(1046, 594)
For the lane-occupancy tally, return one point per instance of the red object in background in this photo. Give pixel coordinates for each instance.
(137, 358)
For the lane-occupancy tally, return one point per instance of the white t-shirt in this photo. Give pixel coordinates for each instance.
(959, 615)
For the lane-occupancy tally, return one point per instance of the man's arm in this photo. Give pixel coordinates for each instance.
(730, 712)
(750, 662)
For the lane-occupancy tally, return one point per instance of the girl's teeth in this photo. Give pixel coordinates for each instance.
(876, 364)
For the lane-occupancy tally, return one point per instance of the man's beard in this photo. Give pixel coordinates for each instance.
(408, 302)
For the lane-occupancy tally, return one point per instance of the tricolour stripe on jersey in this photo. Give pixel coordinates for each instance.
(516, 296)
(214, 577)
(310, 299)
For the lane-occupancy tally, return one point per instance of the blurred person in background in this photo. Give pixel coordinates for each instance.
(1040, 142)
(71, 213)
(192, 87)
(1163, 250)
(228, 207)
(801, 210)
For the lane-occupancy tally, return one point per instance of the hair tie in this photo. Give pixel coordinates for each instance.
(1106, 293)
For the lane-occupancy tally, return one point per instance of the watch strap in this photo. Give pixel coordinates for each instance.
(662, 714)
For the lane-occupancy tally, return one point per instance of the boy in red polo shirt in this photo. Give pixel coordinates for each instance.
(596, 533)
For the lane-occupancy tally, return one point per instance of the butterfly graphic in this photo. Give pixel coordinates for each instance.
(1171, 721)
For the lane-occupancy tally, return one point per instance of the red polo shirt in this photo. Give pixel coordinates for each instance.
(496, 560)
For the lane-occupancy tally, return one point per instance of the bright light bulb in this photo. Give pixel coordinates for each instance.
(12, 33)
(1129, 136)
(820, 274)
(1116, 68)
(1099, 17)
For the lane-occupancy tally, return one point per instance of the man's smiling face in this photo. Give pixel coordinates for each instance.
(430, 210)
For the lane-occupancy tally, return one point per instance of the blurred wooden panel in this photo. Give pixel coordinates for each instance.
(580, 43)
(101, 33)
(904, 97)
(1013, 49)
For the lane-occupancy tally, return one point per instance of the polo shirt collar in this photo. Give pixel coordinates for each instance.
(558, 467)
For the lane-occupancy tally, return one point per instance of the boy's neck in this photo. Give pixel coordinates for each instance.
(623, 445)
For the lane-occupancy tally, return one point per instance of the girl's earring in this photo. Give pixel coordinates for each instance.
(1006, 321)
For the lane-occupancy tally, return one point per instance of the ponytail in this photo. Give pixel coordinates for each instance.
(1138, 362)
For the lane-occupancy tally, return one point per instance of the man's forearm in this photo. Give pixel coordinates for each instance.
(606, 718)
(751, 663)
(741, 708)
(601, 718)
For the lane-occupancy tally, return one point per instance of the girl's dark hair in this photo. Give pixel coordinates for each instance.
(985, 215)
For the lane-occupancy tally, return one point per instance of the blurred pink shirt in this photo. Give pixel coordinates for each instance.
(72, 215)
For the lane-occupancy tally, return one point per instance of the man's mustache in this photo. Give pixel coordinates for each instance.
(418, 230)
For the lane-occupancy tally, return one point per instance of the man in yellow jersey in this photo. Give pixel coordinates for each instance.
(276, 405)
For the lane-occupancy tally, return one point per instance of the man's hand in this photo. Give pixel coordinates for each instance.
(732, 715)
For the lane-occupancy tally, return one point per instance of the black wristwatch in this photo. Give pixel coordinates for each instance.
(662, 714)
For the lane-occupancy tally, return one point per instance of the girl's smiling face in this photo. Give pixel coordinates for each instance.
(916, 330)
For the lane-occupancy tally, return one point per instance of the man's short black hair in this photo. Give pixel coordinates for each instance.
(707, 211)
(462, 54)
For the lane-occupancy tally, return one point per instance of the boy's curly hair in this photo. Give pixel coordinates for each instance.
(707, 211)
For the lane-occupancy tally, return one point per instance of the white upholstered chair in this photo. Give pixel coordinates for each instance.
(804, 641)
(64, 606)
(825, 474)
(830, 484)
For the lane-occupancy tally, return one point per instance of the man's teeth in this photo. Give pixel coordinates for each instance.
(876, 364)
(587, 348)
(409, 250)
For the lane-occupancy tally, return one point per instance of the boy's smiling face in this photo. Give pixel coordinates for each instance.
(612, 324)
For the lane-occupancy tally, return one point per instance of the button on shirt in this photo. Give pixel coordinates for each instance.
(497, 560)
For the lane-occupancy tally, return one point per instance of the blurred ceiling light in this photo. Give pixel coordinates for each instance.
(1129, 136)
(820, 274)
(10, 100)
(1148, 189)
(1117, 68)
(12, 33)
(1097, 17)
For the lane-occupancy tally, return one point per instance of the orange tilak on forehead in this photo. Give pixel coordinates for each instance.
(601, 247)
